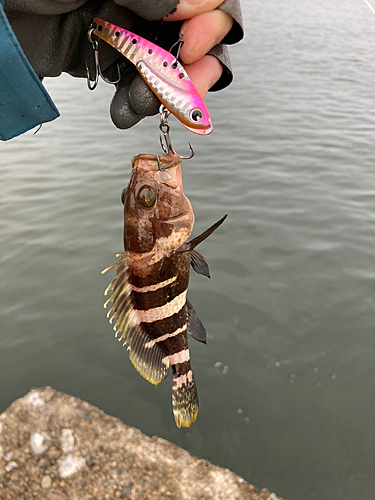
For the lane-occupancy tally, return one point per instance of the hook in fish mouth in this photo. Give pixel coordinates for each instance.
(167, 167)
(169, 176)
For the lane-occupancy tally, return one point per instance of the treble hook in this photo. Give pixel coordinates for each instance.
(165, 128)
(98, 70)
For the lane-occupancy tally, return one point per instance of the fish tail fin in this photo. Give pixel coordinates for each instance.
(184, 398)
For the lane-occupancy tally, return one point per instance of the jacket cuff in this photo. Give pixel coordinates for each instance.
(152, 11)
(24, 102)
(233, 8)
(220, 51)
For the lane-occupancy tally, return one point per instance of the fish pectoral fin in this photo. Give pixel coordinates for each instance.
(195, 326)
(198, 239)
(146, 356)
(197, 260)
(188, 246)
(199, 264)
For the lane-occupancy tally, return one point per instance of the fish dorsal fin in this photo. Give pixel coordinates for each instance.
(146, 356)
(195, 325)
(199, 264)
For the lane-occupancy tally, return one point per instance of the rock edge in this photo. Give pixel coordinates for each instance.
(57, 447)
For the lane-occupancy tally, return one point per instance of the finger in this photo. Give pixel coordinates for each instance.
(186, 9)
(142, 99)
(204, 73)
(122, 114)
(202, 33)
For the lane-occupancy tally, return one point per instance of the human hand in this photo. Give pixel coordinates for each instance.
(204, 26)
(62, 44)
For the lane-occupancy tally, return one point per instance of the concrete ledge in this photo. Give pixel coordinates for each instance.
(58, 447)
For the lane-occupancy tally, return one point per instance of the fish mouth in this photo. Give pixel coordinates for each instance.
(178, 217)
(182, 217)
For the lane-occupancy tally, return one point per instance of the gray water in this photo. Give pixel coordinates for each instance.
(287, 380)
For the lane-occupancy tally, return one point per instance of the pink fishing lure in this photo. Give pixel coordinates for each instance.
(165, 76)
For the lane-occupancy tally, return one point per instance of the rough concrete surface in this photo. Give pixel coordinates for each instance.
(57, 447)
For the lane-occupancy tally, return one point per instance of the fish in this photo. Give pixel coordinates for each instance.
(165, 76)
(150, 310)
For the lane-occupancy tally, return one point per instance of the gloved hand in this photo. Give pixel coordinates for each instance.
(53, 36)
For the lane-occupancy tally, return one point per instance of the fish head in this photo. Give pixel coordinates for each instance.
(157, 214)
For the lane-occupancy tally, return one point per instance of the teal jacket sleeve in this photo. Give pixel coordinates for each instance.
(24, 102)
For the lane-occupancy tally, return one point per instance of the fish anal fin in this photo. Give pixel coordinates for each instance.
(195, 326)
(199, 264)
(148, 361)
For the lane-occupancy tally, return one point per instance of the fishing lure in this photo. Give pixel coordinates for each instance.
(165, 76)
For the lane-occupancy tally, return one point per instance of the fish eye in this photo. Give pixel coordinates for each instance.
(146, 196)
(196, 115)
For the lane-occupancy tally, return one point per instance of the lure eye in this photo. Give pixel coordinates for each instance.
(146, 196)
(196, 115)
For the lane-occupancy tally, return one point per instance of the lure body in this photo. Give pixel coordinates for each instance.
(165, 76)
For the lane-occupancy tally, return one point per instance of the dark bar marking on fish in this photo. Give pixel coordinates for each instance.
(164, 311)
(168, 325)
(161, 296)
(163, 270)
(166, 336)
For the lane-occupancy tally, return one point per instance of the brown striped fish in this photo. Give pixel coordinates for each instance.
(149, 308)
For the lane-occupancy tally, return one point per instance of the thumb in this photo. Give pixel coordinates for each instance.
(204, 73)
